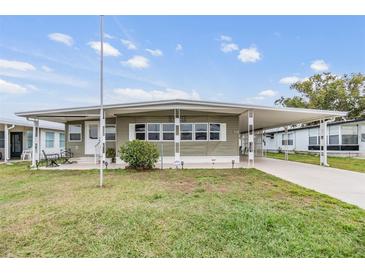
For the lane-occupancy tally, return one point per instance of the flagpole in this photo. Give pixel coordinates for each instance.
(102, 137)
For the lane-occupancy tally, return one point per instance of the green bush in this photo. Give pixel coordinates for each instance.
(110, 153)
(139, 154)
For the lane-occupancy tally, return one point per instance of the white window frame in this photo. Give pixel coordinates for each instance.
(317, 137)
(69, 133)
(192, 132)
(207, 131)
(3, 139)
(331, 130)
(59, 139)
(162, 132)
(214, 131)
(115, 134)
(153, 131)
(27, 138)
(54, 139)
(357, 134)
(145, 131)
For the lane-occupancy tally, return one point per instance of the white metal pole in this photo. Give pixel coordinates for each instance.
(286, 141)
(6, 142)
(102, 139)
(251, 138)
(34, 132)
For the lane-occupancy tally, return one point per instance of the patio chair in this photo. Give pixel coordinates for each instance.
(26, 154)
(51, 159)
(66, 155)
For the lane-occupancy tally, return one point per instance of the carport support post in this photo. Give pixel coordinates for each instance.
(35, 146)
(286, 144)
(251, 139)
(6, 145)
(323, 143)
(177, 137)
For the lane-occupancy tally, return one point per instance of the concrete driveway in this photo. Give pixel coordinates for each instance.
(347, 186)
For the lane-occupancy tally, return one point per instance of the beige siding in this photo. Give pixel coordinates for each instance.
(196, 148)
(78, 148)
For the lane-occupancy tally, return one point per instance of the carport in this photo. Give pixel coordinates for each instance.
(252, 120)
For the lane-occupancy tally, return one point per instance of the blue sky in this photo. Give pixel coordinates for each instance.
(52, 61)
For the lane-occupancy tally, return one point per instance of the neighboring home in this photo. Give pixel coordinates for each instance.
(16, 139)
(343, 138)
(183, 130)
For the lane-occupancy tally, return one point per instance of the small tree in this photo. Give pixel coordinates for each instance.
(139, 154)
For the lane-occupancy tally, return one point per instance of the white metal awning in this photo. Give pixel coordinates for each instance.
(265, 117)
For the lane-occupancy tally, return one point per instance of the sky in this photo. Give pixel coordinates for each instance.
(53, 61)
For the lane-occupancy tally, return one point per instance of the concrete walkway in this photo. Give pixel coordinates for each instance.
(347, 186)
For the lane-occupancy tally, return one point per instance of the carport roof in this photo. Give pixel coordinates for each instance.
(265, 116)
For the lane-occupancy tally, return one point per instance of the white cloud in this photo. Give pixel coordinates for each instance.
(155, 52)
(108, 36)
(138, 62)
(229, 47)
(61, 38)
(108, 50)
(31, 87)
(267, 93)
(11, 88)
(17, 65)
(319, 65)
(249, 55)
(226, 38)
(47, 77)
(179, 47)
(47, 69)
(129, 44)
(289, 80)
(144, 95)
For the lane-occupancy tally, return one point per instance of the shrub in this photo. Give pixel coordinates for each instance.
(110, 153)
(139, 154)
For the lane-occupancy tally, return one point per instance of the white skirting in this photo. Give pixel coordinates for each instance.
(196, 159)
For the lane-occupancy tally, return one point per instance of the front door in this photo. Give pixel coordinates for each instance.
(91, 136)
(16, 144)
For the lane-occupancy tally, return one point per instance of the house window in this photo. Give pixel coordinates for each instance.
(74, 133)
(186, 132)
(110, 132)
(168, 132)
(201, 132)
(153, 132)
(62, 140)
(49, 139)
(140, 130)
(333, 135)
(349, 135)
(214, 132)
(29, 136)
(289, 141)
(2, 139)
(313, 136)
(362, 133)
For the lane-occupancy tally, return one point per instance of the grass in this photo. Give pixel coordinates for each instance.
(171, 213)
(353, 164)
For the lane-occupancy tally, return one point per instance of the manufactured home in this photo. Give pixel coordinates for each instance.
(183, 130)
(345, 138)
(16, 139)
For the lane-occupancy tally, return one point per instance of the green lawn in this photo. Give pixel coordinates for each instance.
(171, 213)
(353, 164)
